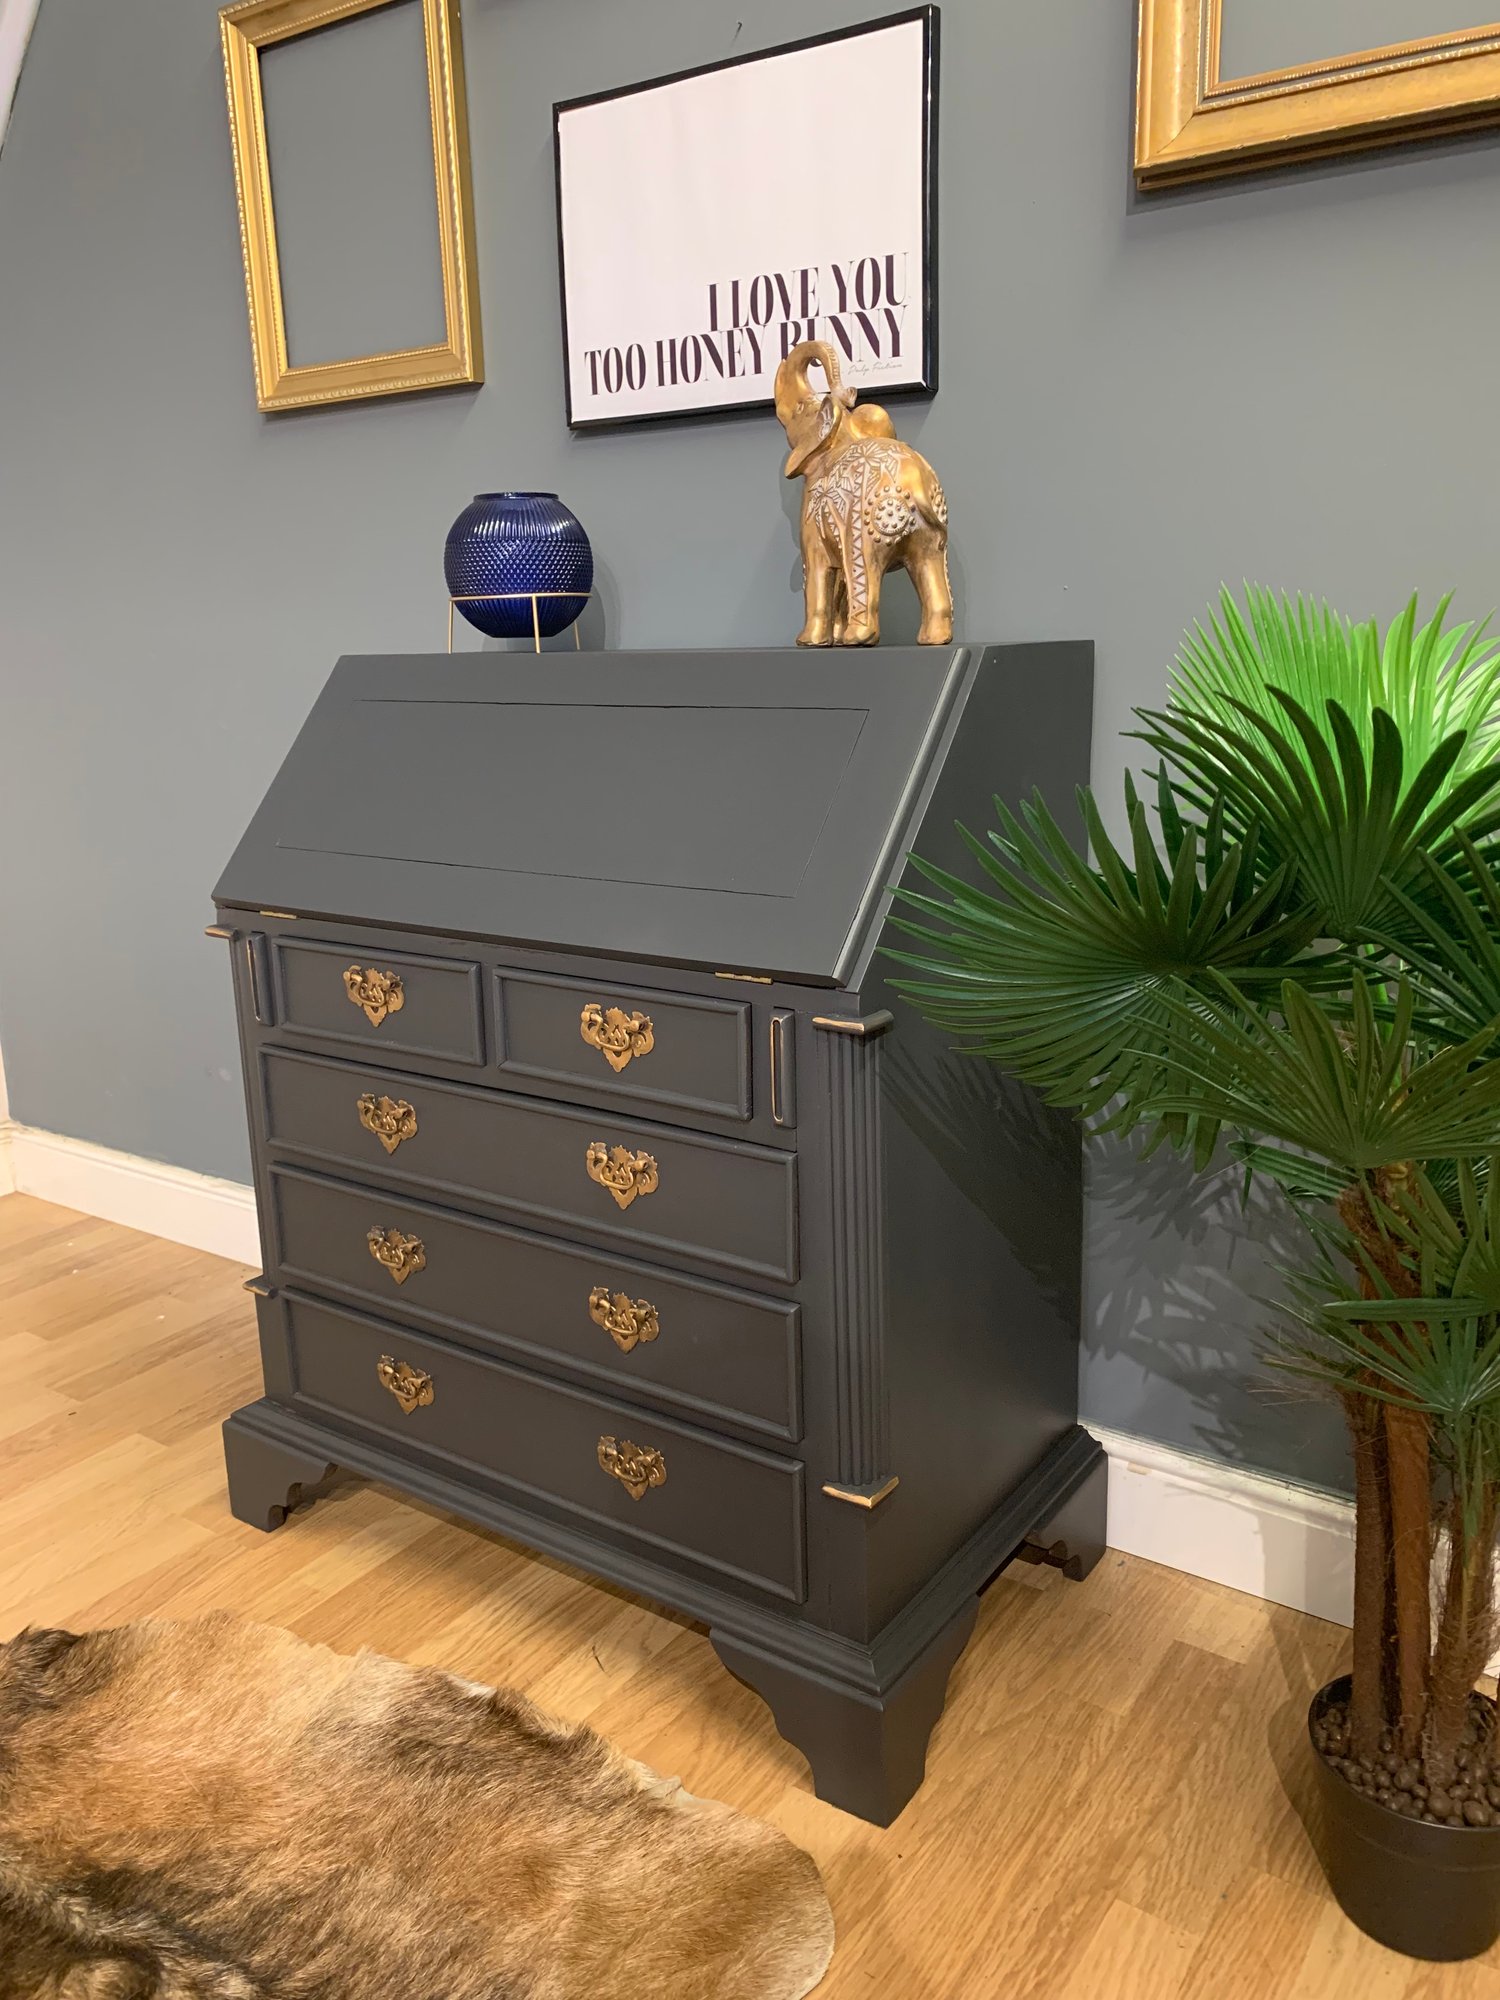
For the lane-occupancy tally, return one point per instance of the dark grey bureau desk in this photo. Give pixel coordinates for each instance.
(610, 1198)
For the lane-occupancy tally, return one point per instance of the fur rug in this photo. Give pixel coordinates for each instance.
(217, 1811)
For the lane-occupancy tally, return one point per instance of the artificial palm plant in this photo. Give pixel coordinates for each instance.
(1294, 956)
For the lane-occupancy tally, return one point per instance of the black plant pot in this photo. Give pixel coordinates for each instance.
(1430, 1891)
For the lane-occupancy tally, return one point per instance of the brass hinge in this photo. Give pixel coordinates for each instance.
(218, 930)
(752, 978)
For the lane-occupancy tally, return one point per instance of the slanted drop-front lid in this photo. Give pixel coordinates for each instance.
(737, 810)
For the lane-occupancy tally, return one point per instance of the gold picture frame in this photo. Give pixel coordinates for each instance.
(247, 28)
(1192, 124)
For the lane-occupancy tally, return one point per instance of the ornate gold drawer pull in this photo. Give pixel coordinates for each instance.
(635, 1466)
(390, 1119)
(617, 1036)
(624, 1319)
(625, 1174)
(411, 1387)
(379, 993)
(401, 1255)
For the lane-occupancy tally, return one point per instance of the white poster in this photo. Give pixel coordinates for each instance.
(709, 222)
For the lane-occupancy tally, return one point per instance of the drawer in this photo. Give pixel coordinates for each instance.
(722, 1505)
(721, 1200)
(391, 1002)
(702, 1348)
(664, 1048)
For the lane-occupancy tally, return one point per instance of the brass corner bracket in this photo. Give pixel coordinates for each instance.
(864, 1496)
(856, 1024)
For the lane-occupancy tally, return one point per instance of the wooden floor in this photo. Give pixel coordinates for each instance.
(1106, 1813)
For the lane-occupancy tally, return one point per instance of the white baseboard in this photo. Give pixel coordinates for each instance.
(184, 1207)
(1270, 1537)
(7, 1170)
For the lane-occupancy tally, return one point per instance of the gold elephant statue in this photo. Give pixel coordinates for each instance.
(870, 504)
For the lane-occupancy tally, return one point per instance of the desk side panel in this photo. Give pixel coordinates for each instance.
(982, 1183)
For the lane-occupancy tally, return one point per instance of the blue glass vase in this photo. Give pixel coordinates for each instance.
(519, 542)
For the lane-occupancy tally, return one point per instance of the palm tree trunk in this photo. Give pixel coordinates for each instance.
(1372, 1580)
(1465, 1632)
(1404, 1476)
(1409, 1482)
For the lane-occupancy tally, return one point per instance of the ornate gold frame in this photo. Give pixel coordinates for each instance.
(1190, 124)
(247, 28)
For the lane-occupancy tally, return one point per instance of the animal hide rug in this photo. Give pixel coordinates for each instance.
(214, 1810)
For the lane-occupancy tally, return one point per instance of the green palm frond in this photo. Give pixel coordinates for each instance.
(1342, 1089)
(1349, 824)
(1303, 648)
(1433, 682)
(1063, 971)
(1445, 1362)
(1300, 938)
(1445, 929)
(1305, 1182)
(1448, 1238)
(1440, 1355)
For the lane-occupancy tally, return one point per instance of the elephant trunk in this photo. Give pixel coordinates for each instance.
(793, 387)
(808, 417)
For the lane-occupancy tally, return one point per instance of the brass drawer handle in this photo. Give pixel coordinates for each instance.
(635, 1466)
(401, 1255)
(390, 1119)
(617, 1036)
(411, 1387)
(625, 1174)
(379, 993)
(624, 1319)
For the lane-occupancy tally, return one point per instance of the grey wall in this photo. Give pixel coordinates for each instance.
(1259, 35)
(1287, 381)
(349, 135)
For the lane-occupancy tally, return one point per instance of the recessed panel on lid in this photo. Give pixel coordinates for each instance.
(725, 810)
(720, 799)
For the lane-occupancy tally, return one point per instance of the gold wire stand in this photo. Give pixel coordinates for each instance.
(534, 598)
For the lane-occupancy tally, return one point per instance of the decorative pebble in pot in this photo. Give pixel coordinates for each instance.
(515, 544)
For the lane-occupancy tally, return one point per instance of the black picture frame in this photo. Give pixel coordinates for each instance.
(930, 18)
